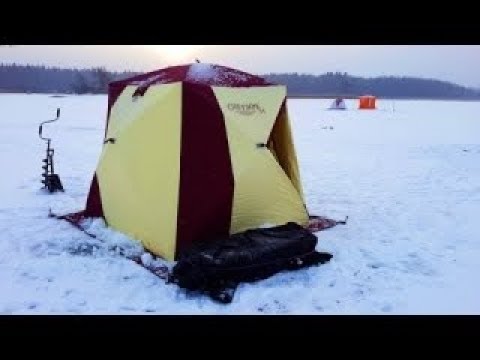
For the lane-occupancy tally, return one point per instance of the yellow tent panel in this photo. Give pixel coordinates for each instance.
(139, 173)
(263, 193)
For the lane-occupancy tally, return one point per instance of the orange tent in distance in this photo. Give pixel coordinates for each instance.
(367, 102)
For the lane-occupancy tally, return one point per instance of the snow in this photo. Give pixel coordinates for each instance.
(208, 73)
(159, 78)
(147, 259)
(201, 71)
(407, 175)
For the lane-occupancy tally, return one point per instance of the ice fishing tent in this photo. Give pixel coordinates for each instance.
(367, 102)
(338, 104)
(194, 153)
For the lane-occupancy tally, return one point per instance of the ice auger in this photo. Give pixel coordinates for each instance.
(51, 180)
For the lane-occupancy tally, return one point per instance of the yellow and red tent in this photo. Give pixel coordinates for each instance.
(193, 153)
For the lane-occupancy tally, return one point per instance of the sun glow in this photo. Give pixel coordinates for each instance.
(177, 52)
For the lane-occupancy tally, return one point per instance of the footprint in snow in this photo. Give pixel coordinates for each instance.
(386, 308)
(375, 265)
(280, 307)
(32, 306)
(29, 276)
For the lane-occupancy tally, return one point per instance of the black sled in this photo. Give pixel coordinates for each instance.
(217, 268)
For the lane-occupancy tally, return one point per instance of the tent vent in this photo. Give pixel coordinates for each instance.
(110, 140)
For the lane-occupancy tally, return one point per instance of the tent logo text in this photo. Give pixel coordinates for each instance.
(246, 109)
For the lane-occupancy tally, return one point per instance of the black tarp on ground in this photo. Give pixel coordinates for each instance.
(216, 268)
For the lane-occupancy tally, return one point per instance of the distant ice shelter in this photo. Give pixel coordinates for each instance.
(338, 104)
(367, 102)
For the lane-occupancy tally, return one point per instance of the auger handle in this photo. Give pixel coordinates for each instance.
(40, 128)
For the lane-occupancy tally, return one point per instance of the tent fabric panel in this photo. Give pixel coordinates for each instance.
(263, 194)
(139, 173)
(114, 92)
(129, 108)
(115, 88)
(253, 110)
(94, 207)
(206, 177)
(282, 146)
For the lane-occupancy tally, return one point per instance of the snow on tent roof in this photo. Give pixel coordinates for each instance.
(159, 78)
(217, 75)
(199, 73)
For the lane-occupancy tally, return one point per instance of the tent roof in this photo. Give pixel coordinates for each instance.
(197, 73)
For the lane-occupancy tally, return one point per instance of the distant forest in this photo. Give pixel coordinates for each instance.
(41, 79)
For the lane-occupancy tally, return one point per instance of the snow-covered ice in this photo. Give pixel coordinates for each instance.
(407, 175)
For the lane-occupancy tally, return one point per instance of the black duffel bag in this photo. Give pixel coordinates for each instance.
(216, 268)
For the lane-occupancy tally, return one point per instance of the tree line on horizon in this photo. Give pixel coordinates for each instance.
(42, 79)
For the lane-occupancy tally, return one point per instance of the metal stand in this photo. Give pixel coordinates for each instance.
(51, 180)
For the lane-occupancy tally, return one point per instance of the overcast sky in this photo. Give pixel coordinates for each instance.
(459, 64)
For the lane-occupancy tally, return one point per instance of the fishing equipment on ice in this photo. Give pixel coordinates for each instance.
(51, 181)
(217, 268)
